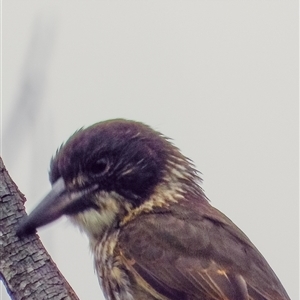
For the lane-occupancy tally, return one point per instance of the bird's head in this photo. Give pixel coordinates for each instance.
(108, 173)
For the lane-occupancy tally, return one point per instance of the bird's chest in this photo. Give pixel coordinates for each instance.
(113, 276)
(116, 278)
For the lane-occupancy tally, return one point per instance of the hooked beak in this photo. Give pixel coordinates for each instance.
(53, 206)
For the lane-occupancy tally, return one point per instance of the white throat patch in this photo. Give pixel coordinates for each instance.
(94, 222)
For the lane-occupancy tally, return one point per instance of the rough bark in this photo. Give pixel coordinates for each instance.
(26, 268)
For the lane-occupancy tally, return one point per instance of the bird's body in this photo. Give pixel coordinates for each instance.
(152, 231)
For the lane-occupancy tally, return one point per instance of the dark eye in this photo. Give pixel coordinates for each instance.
(100, 166)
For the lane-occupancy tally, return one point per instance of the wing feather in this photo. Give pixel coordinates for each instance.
(186, 255)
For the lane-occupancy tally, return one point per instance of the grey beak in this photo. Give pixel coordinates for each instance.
(53, 206)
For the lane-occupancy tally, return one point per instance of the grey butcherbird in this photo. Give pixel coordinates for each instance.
(152, 231)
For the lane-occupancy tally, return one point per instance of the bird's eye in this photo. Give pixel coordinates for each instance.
(100, 166)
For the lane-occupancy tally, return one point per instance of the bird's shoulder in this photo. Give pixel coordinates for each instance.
(187, 228)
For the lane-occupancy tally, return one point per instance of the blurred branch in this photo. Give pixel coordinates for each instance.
(26, 268)
(33, 79)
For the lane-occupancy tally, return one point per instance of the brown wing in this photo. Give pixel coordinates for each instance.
(184, 254)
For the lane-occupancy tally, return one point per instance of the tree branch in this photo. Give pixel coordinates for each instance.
(26, 268)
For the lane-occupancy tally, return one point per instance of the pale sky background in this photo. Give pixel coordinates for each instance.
(218, 77)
